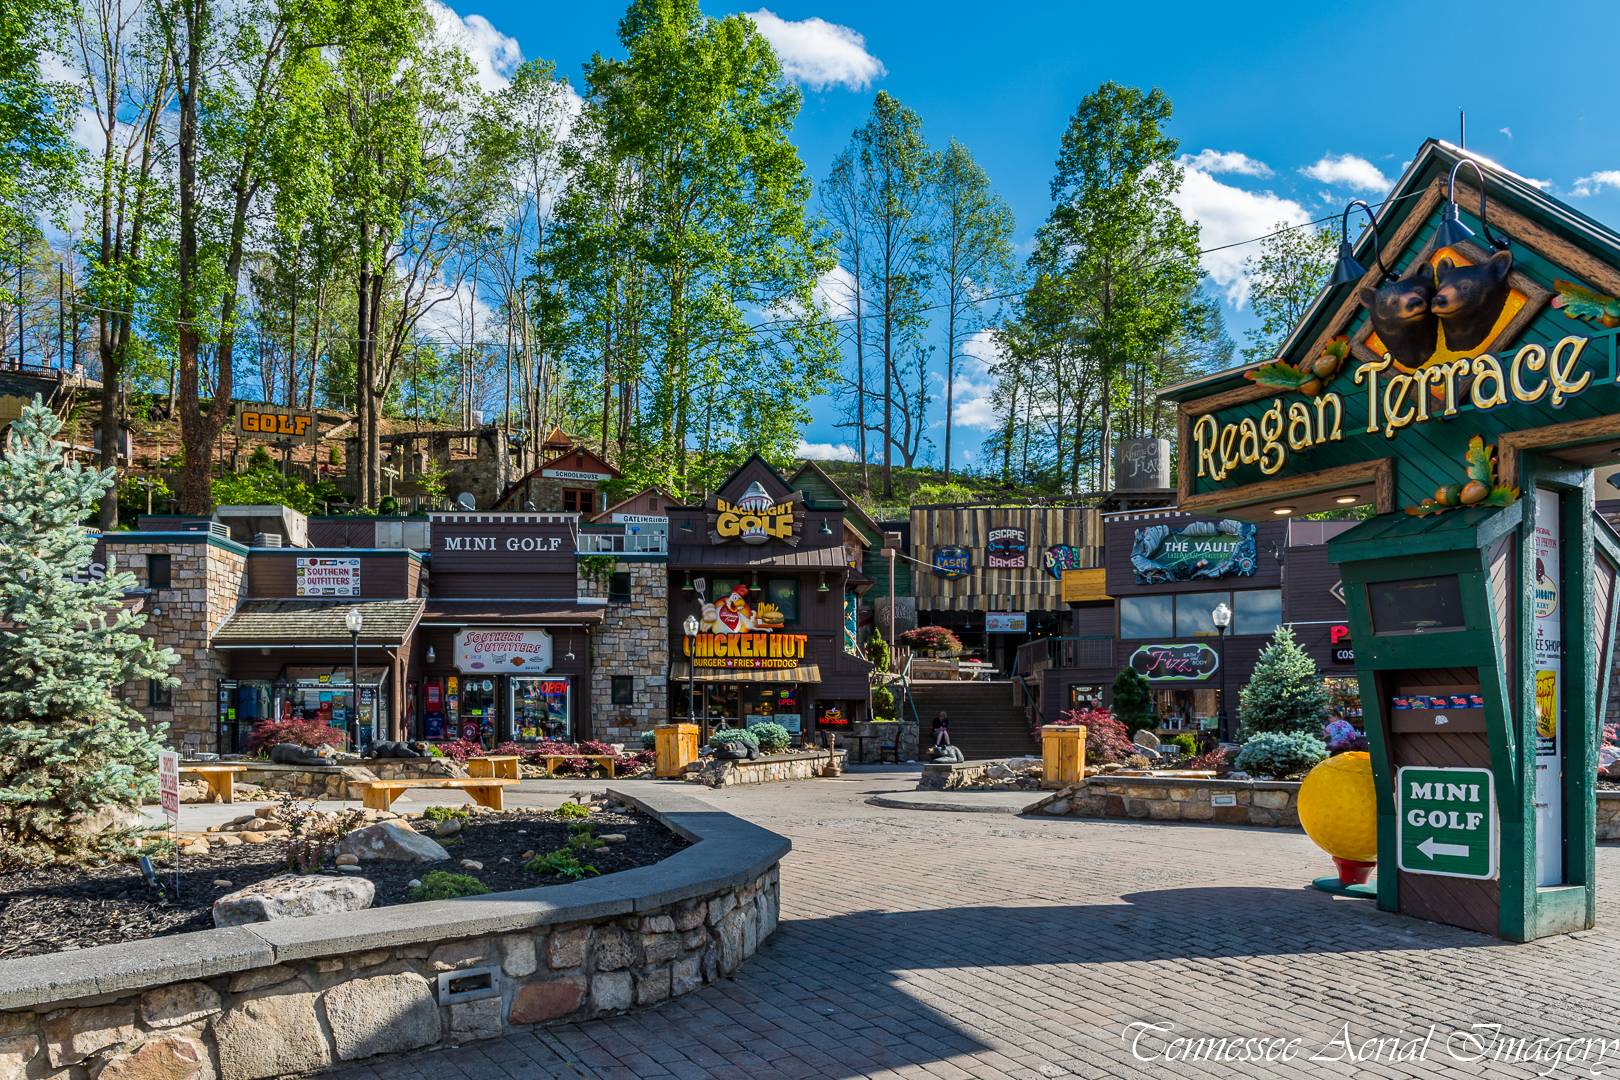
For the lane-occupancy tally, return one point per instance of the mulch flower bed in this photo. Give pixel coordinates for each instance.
(57, 908)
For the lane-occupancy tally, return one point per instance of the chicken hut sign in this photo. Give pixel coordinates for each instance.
(735, 633)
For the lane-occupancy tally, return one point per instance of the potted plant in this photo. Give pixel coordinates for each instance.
(932, 641)
(734, 744)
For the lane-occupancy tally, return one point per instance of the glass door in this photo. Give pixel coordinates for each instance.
(540, 708)
(478, 709)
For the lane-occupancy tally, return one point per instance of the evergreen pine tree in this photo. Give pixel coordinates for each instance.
(69, 748)
(1133, 701)
(1284, 694)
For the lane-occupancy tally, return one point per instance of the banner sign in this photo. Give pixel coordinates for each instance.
(1006, 622)
(1006, 548)
(1445, 822)
(169, 785)
(1199, 549)
(1549, 668)
(503, 651)
(1062, 557)
(1175, 663)
(576, 474)
(274, 422)
(758, 650)
(326, 576)
(756, 518)
(952, 562)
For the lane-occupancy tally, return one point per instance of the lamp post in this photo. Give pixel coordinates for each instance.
(1222, 618)
(354, 622)
(690, 628)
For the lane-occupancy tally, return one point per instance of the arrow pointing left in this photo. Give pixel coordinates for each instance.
(1432, 847)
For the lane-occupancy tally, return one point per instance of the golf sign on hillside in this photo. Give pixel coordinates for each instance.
(1446, 821)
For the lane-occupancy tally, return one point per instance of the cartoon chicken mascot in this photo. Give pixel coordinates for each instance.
(735, 615)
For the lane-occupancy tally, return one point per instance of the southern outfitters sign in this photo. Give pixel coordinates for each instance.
(748, 650)
(272, 422)
(1199, 549)
(756, 518)
(1446, 821)
(321, 576)
(1192, 662)
(503, 651)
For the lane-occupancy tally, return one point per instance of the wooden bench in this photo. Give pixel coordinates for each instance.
(221, 779)
(610, 760)
(486, 791)
(502, 765)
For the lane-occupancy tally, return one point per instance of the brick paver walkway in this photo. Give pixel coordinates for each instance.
(950, 946)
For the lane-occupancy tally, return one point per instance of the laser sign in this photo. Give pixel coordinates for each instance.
(1446, 821)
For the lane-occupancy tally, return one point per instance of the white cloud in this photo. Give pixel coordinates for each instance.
(1225, 161)
(823, 451)
(494, 55)
(817, 53)
(1348, 170)
(971, 404)
(834, 293)
(1506, 131)
(1229, 215)
(1592, 183)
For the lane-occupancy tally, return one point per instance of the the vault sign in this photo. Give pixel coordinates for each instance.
(1446, 821)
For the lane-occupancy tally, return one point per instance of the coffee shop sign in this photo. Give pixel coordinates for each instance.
(1395, 399)
(512, 543)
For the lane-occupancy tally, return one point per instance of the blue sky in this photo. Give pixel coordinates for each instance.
(1285, 111)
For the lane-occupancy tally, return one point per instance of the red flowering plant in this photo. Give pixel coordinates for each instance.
(459, 750)
(932, 640)
(1217, 760)
(596, 746)
(1107, 738)
(311, 733)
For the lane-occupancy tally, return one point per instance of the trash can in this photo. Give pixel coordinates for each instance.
(1063, 755)
(677, 746)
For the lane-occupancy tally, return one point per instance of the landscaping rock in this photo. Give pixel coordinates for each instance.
(390, 841)
(223, 883)
(447, 828)
(347, 860)
(289, 896)
(613, 838)
(471, 864)
(167, 1057)
(384, 1014)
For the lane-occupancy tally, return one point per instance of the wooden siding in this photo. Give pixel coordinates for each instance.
(504, 570)
(1031, 588)
(273, 572)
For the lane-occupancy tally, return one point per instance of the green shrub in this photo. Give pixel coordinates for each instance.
(877, 650)
(649, 740)
(882, 703)
(733, 735)
(772, 737)
(447, 813)
(573, 811)
(561, 863)
(1185, 742)
(580, 837)
(1285, 692)
(1275, 754)
(1132, 700)
(443, 885)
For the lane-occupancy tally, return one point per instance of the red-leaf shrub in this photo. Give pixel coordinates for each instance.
(459, 750)
(595, 746)
(1215, 759)
(311, 733)
(932, 639)
(1107, 738)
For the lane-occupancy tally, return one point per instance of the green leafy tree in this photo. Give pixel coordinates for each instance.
(69, 748)
(1132, 700)
(1285, 276)
(36, 115)
(1284, 694)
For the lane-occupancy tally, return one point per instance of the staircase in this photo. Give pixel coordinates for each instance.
(986, 720)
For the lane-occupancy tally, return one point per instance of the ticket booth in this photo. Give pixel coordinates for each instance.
(1478, 635)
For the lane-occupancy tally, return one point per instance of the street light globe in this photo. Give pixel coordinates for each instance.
(353, 621)
(1221, 616)
(690, 626)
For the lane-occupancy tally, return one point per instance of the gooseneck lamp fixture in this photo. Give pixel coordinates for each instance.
(1349, 268)
(1452, 231)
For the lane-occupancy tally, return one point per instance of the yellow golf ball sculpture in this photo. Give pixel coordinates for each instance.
(1339, 812)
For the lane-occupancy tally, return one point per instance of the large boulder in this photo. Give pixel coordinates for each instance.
(391, 841)
(290, 896)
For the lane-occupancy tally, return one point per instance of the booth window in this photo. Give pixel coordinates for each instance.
(624, 689)
(619, 588)
(157, 572)
(578, 501)
(1257, 611)
(1147, 616)
(159, 696)
(1194, 613)
(784, 593)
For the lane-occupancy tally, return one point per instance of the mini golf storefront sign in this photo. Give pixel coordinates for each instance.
(1461, 380)
(1447, 822)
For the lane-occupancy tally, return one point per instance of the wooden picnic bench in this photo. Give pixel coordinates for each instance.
(502, 765)
(610, 760)
(486, 791)
(221, 779)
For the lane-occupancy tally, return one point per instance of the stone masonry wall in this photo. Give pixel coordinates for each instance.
(307, 1015)
(799, 765)
(206, 584)
(1253, 802)
(632, 640)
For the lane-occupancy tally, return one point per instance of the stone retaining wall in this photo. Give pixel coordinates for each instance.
(1175, 798)
(950, 775)
(298, 995)
(868, 751)
(1608, 815)
(797, 765)
(332, 781)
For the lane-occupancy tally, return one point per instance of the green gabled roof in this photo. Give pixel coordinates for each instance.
(1434, 160)
(1401, 535)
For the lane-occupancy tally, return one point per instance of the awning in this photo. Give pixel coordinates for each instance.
(804, 673)
(511, 613)
(742, 557)
(327, 676)
(267, 623)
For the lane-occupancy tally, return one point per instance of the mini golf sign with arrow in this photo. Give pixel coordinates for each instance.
(1446, 822)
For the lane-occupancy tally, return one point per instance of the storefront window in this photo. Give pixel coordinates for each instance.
(1085, 696)
(1185, 709)
(778, 704)
(1147, 616)
(540, 709)
(1194, 613)
(1257, 611)
(784, 593)
(478, 709)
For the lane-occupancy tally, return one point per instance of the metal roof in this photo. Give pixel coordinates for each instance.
(319, 622)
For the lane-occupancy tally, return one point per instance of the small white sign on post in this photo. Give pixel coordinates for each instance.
(169, 785)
